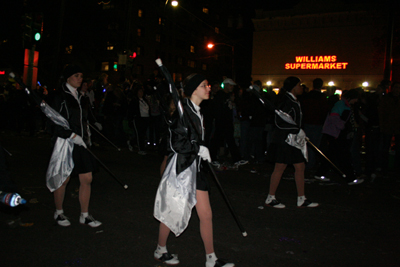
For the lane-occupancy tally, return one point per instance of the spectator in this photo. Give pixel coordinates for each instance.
(224, 131)
(339, 130)
(258, 121)
(357, 109)
(389, 121)
(155, 119)
(114, 111)
(271, 96)
(315, 109)
(243, 108)
(138, 116)
(372, 129)
(207, 108)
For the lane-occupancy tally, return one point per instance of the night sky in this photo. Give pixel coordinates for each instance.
(12, 23)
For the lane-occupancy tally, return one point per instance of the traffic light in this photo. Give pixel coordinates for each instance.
(132, 55)
(37, 27)
(38, 36)
(27, 28)
(131, 58)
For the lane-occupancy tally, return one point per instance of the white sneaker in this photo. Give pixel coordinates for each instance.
(272, 202)
(321, 178)
(167, 258)
(307, 204)
(61, 219)
(356, 181)
(89, 220)
(219, 263)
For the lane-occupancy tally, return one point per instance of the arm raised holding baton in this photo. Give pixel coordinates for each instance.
(184, 184)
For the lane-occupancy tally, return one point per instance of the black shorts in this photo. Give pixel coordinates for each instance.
(202, 179)
(84, 162)
(284, 153)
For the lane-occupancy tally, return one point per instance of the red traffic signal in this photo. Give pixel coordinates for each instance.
(133, 55)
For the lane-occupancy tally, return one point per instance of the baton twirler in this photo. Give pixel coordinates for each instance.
(57, 119)
(176, 98)
(286, 117)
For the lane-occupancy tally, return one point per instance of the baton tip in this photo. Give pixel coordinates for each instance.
(126, 186)
(244, 234)
(159, 62)
(344, 175)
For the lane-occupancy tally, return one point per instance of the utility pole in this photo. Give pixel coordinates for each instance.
(387, 75)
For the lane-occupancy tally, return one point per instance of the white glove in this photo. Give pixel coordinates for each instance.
(98, 125)
(77, 140)
(204, 153)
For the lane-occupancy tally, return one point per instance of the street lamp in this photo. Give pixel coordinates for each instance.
(173, 3)
(211, 45)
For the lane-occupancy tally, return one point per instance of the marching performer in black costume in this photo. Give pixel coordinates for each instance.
(70, 156)
(184, 182)
(288, 144)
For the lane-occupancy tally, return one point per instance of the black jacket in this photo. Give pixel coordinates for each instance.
(283, 128)
(186, 136)
(75, 112)
(258, 113)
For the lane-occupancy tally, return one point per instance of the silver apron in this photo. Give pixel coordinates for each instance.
(298, 142)
(176, 197)
(61, 163)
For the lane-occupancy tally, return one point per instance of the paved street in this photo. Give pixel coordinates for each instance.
(354, 226)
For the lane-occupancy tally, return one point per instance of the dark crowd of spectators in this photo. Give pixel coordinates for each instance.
(238, 126)
(364, 147)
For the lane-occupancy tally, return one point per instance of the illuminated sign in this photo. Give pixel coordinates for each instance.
(316, 63)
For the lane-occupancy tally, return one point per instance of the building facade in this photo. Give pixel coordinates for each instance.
(337, 42)
(123, 38)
